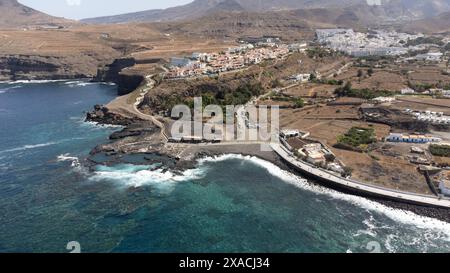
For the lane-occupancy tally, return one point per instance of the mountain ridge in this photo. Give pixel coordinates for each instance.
(15, 15)
(390, 9)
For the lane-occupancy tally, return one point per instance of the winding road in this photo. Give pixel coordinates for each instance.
(123, 107)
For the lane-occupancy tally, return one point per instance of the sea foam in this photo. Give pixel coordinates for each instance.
(34, 81)
(139, 175)
(398, 215)
(28, 147)
(79, 83)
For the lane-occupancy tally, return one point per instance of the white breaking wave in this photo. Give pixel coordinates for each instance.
(7, 89)
(99, 125)
(79, 83)
(137, 176)
(74, 163)
(34, 81)
(35, 146)
(28, 147)
(66, 157)
(398, 215)
(108, 83)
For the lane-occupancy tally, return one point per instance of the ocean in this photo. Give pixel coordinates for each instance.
(230, 203)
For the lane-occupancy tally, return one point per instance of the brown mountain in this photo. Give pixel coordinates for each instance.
(14, 14)
(388, 10)
(437, 24)
(196, 9)
(289, 24)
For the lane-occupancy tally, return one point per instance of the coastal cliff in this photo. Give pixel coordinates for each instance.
(29, 67)
(114, 72)
(35, 67)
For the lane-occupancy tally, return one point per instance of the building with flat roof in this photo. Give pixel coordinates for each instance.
(407, 138)
(444, 186)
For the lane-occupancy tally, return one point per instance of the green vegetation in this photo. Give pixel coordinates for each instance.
(347, 171)
(242, 94)
(299, 103)
(447, 47)
(276, 83)
(328, 81)
(348, 91)
(440, 150)
(358, 137)
(420, 87)
(318, 52)
(425, 40)
(360, 73)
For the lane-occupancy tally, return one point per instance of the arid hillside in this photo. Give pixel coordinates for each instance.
(437, 24)
(388, 10)
(290, 25)
(14, 14)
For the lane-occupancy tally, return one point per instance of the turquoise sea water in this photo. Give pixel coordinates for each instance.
(227, 204)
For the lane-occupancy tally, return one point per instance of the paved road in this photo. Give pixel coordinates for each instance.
(122, 106)
(427, 200)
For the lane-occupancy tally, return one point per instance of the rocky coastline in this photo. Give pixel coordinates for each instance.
(35, 67)
(143, 138)
(140, 137)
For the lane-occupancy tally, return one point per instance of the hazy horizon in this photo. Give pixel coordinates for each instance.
(81, 9)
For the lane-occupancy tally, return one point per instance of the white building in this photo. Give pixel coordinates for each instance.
(407, 91)
(301, 77)
(384, 99)
(421, 139)
(288, 133)
(430, 57)
(444, 186)
(430, 117)
(374, 43)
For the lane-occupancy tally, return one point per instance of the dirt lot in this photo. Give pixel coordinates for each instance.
(82, 48)
(388, 166)
(381, 80)
(317, 114)
(386, 170)
(310, 90)
(422, 104)
(395, 76)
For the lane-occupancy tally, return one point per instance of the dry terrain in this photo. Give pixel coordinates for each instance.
(387, 165)
(80, 50)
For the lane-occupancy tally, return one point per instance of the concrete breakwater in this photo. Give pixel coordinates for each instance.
(357, 187)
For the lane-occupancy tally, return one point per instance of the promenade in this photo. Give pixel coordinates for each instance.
(359, 187)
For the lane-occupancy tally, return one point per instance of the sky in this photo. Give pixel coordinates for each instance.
(78, 9)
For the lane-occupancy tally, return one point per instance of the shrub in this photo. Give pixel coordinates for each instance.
(440, 150)
(358, 137)
(368, 94)
(347, 171)
(299, 103)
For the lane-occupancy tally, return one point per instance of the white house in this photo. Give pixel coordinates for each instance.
(289, 133)
(384, 99)
(444, 186)
(301, 77)
(406, 91)
(395, 137)
(431, 56)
